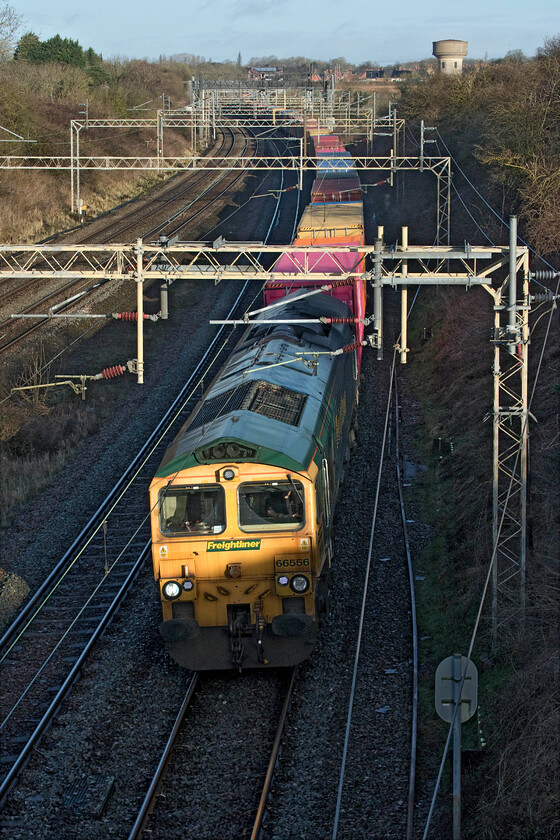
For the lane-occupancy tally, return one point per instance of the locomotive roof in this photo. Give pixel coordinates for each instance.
(266, 404)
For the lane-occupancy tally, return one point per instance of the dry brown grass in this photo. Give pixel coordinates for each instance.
(38, 102)
(39, 430)
(517, 791)
(512, 795)
(37, 445)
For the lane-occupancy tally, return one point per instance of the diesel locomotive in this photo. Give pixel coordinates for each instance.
(242, 503)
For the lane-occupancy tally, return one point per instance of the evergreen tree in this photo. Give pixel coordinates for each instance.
(64, 50)
(29, 48)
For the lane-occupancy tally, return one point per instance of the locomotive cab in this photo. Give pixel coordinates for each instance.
(238, 567)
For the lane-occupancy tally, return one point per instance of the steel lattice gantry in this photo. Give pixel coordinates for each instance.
(510, 417)
(440, 166)
(398, 267)
(246, 108)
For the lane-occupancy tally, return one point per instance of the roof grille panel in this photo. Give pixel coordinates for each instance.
(263, 398)
(277, 403)
(223, 404)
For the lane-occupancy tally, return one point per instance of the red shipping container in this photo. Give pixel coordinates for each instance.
(336, 189)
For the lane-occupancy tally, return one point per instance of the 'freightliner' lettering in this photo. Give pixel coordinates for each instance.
(233, 545)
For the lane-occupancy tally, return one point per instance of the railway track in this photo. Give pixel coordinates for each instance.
(391, 433)
(305, 786)
(179, 189)
(178, 215)
(62, 297)
(133, 218)
(42, 652)
(190, 758)
(227, 733)
(247, 815)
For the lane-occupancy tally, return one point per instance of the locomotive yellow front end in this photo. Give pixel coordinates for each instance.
(238, 560)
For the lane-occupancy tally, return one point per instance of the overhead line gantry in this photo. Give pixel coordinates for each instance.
(494, 268)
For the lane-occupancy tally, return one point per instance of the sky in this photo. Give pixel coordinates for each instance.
(363, 30)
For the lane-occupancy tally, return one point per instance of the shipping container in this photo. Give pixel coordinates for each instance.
(335, 166)
(336, 189)
(320, 221)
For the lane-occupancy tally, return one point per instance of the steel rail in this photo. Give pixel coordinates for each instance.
(215, 182)
(39, 597)
(53, 295)
(155, 785)
(41, 593)
(60, 290)
(175, 192)
(12, 776)
(363, 611)
(33, 609)
(273, 761)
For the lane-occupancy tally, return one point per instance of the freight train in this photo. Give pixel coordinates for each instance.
(242, 503)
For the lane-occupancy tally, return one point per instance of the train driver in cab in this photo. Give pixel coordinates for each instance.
(279, 505)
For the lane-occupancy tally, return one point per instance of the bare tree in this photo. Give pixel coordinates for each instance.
(10, 22)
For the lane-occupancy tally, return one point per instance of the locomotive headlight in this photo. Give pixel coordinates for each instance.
(171, 590)
(188, 585)
(299, 584)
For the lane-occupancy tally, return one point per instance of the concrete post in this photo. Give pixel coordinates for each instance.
(140, 310)
(377, 294)
(457, 660)
(404, 301)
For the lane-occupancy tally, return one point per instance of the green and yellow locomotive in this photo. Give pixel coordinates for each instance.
(243, 501)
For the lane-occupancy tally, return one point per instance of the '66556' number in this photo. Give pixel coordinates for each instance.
(300, 561)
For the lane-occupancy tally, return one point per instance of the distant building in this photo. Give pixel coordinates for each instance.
(450, 55)
(263, 73)
(378, 73)
(386, 73)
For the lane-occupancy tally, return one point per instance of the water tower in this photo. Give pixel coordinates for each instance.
(450, 55)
